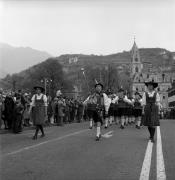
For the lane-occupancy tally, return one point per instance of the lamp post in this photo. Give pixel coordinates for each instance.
(83, 71)
(46, 81)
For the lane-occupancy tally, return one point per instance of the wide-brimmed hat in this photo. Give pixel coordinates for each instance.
(151, 83)
(99, 84)
(39, 87)
(109, 91)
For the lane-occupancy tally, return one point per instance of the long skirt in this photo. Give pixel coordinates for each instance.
(151, 116)
(38, 115)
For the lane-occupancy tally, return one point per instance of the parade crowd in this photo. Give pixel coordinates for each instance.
(18, 109)
(15, 115)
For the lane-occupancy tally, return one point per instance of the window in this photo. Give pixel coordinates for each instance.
(163, 77)
(147, 75)
(136, 89)
(136, 59)
(136, 69)
(163, 97)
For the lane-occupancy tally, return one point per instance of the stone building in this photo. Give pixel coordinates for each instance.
(144, 71)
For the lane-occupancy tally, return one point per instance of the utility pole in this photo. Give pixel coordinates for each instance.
(82, 69)
(14, 85)
(45, 85)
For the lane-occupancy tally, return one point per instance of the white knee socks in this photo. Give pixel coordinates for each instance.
(98, 131)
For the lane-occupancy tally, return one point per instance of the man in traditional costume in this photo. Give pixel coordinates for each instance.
(137, 102)
(122, 104)
(97, 106)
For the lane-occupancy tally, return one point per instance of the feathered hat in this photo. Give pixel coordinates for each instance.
(98, 84)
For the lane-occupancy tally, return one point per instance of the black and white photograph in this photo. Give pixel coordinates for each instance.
(87, 89)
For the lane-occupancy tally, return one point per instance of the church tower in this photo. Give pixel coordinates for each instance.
(136, 64)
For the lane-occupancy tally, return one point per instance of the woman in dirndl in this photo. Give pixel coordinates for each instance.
(38, 107)
(151, 105)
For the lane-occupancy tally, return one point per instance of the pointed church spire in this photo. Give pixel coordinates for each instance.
(134, 47)
(135, 59)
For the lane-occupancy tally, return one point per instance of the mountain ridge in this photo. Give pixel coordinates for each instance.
(16, 59)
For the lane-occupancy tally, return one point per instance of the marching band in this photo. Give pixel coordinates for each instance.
(108, 108)
(121, 108)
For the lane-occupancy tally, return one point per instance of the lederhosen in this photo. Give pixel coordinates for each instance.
(111, 108)
(39, 111)
(116, 114)
(151, 117)
(137, 108)
(122, 107)
(95, 108)
(129, 109)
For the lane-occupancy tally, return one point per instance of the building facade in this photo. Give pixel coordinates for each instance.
(144, 71)
(171, 101)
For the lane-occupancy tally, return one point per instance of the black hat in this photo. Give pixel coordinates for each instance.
(121, 90)
(152, 83)
(39, 87)
(99, 84)
(108, 92)
(137, 93)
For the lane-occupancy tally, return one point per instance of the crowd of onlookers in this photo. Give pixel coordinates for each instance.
(14, 110)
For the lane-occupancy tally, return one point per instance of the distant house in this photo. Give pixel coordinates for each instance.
(73, 60)
(171, 96)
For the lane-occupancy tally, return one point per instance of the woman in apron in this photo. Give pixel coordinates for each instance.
(151, 104)
(39, 110)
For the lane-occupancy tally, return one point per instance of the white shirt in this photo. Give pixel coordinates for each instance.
(39, 97)
(107, 101)
(140, 101)
(150, 94)
(115, 100)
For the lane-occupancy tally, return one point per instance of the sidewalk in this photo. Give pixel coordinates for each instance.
(6, 131)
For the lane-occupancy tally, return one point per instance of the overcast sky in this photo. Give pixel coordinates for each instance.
(87, 26)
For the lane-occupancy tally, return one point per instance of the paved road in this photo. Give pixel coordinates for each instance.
(71, 153)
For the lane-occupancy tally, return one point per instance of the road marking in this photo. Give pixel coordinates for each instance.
(144, 175)
(161, 175)
(45, 142)
(48, 132)
(108, 134)
(24, 132)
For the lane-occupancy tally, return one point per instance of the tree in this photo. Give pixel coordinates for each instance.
(50, 69)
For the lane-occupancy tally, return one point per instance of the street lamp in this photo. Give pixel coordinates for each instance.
(83, 71)
(46, 81)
